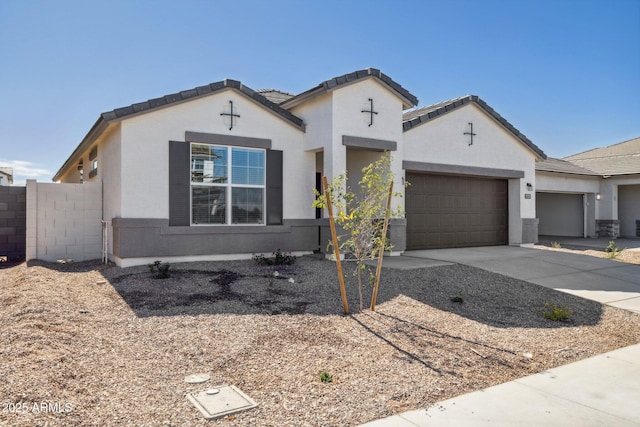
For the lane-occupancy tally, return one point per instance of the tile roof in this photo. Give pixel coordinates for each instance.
(618, 159)
(274, 95)
(409, 99)
(413, 118)
(558, 165)
(173, 98)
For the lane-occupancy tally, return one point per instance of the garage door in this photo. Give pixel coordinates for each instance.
(453, 211)
(560, 214)
(629, 209)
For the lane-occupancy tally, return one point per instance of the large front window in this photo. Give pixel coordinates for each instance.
(227, 185)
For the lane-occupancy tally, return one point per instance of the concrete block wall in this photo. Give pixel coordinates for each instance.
(12, 222)
(64, 221)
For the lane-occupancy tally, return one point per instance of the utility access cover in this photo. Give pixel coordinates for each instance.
(221, 400)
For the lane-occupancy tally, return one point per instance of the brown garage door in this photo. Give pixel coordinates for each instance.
(452, 211)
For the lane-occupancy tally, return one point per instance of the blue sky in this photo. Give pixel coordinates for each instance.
(565, 73)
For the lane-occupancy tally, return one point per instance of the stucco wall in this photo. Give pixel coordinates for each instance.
(566, 183)
(64, 221)
(318, 119)
(145, 150)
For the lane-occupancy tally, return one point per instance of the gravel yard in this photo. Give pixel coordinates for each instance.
(104, 346)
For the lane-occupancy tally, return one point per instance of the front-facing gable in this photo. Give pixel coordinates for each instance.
(468, 133)
(420, 116)
(108, 119)
(409, 100)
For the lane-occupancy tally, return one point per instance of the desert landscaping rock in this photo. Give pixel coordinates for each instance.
(125, 363)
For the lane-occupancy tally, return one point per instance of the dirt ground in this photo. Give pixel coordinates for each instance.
(626, 256)
(92, 345)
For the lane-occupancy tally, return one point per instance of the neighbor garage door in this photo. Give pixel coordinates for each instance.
(560, 214)
(629, 209)
(445, 211)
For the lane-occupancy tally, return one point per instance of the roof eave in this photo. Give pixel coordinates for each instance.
(96, 130)
(585, 174)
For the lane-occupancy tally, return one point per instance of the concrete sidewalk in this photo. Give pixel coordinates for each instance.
(600, 391)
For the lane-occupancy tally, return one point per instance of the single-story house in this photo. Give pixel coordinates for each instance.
(223, 171)
(590, 194)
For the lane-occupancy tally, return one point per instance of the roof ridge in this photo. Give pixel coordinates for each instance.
(327, 85)
(274, 90)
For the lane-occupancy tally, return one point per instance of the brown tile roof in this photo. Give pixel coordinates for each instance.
(618, 159)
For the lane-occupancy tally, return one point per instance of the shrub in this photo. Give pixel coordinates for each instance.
(279, 258)
(612, 250)
(159, 270)
(555, 245)
(326, 377)
(556, 313)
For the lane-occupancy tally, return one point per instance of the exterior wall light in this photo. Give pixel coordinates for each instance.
(598, 196)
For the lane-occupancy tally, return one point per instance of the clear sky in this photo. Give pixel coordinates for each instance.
(566, 73)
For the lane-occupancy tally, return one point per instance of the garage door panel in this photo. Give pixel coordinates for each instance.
(560, 214)
(455, 211)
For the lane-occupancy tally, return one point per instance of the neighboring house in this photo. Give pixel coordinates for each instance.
(222, 171)
(594, 193)
(6, 175)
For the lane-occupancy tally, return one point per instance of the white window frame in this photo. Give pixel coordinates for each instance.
(229, 185)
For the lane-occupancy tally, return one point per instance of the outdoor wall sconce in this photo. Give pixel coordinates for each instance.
(598, 196)
(529, 186)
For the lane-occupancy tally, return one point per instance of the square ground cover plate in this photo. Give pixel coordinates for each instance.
(221, 400)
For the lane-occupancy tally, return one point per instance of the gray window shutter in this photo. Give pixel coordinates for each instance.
(179, 184)
(274, 187)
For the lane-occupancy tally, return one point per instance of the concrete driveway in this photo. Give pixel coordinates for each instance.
(603, 280)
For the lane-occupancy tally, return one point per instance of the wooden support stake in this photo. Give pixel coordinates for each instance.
(336, 250)
(374, 296)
